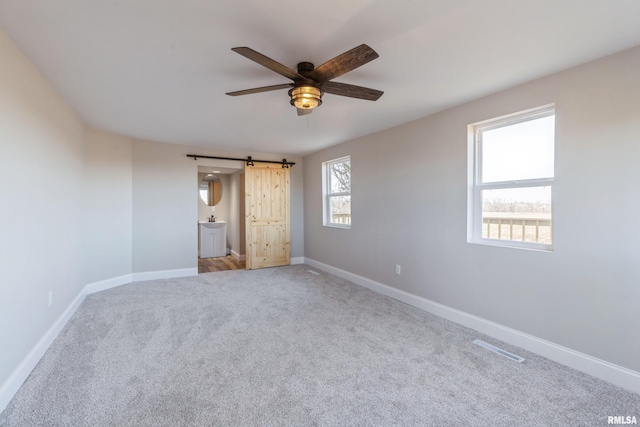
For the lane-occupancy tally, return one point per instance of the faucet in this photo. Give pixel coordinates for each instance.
(212, 218)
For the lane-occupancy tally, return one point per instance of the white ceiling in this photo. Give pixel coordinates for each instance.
(159, 69)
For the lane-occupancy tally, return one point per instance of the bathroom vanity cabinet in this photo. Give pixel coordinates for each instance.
(213, 239)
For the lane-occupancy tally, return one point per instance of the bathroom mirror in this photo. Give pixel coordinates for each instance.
(210, 189)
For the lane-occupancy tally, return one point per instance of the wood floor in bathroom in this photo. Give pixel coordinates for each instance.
(208, 265)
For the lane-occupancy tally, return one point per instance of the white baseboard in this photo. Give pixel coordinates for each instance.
(20, 374)
(237, 256)
(297, 260)
(103, 285)
(618, 375)
(164, 274)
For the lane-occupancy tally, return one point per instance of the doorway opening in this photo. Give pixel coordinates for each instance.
(221, 224)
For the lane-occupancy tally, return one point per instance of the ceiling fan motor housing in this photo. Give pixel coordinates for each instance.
(304, 68)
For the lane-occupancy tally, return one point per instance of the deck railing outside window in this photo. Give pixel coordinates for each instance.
(527, 227)
(341, 218)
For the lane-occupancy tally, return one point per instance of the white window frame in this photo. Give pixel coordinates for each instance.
(475, 186)
(327, 194)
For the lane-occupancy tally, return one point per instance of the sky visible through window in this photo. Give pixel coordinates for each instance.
(518, 152)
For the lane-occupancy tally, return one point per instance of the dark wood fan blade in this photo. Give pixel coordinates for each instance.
(303, 111)
(260, 89)
(352, 91)
(344, 63)
(267, 62)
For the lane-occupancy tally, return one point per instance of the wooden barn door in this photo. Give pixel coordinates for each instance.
(267, 216)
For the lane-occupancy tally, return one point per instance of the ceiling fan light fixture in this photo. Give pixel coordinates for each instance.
(306, 97)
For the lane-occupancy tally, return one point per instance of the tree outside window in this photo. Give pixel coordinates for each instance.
(337, 192)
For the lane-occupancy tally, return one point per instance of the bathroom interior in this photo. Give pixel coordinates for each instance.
(220, 218)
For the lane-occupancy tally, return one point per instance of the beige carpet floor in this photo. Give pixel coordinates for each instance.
(285, 347)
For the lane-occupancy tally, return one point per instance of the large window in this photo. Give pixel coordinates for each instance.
(336, 176)
(511, 169)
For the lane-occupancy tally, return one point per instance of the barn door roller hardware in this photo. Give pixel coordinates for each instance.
(250, 161)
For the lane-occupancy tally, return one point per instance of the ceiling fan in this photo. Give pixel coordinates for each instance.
(309, 83)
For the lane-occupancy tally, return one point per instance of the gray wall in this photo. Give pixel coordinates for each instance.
(409, 192)
(236, 214)
(107, 204)
(165, 210)
(41, 191)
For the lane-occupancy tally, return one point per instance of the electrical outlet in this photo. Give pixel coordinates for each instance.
(50, 298)
(398, 268)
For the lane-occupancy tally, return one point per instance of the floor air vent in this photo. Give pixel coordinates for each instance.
(499, 351)
(313, 272)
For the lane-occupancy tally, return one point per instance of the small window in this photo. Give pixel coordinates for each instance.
(336, 203)
(511, 170)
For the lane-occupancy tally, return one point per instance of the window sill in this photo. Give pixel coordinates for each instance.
(539, 247)
(346, 226)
